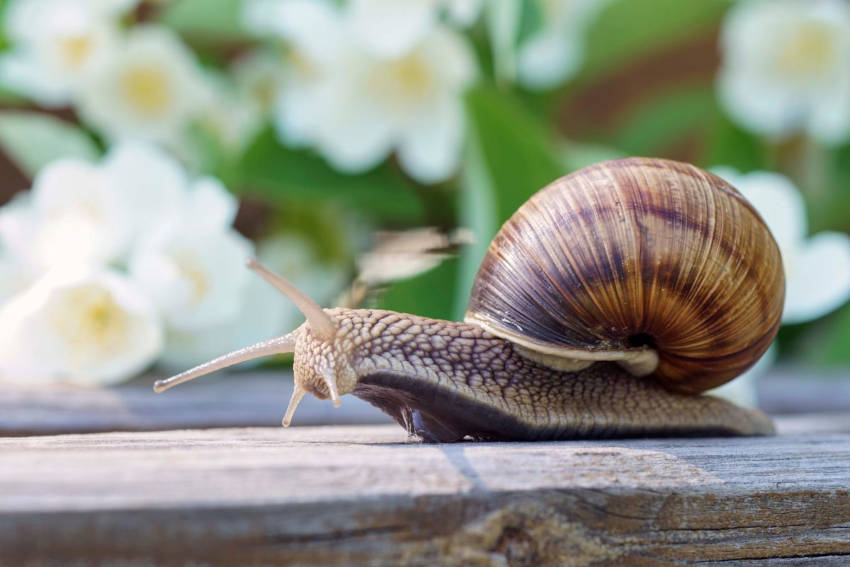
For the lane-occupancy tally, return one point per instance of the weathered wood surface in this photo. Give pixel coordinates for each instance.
(239, 399)
(258, 398)
(364, 495)
(800, 389)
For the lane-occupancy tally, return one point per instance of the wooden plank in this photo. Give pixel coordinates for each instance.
(237, 399)
(358, 495)
(258, 398)
(802, 389)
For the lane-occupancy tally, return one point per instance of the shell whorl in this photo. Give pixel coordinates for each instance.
(635, 252)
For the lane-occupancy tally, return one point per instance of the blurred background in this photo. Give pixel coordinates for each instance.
(369, 150)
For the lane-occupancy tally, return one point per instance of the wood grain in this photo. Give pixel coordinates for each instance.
(234, 399)
(258, 398)
(364, 495)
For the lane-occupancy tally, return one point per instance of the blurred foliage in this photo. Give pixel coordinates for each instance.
(430, 294)
(34, 140)
(214, 19)
(281, 175)
(630, 29)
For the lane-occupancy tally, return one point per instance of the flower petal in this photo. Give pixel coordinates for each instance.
(20, 74)
(820, 280)
(86, 327)
(79, 219)
(429, 149)
(389, 28)
(195, 278)
(354, 134)
(212, 207)
(260, 317)
(759, 107)
(785, 68)
(463, 13)
(148, 89)
(830, 119)
(149, 183)
(548, 59)
(297, 114)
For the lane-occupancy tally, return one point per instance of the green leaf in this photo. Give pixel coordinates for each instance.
(577, 155)
(477, 204)
(430, 294)
(531, 20)
(729, 145)
(519, 155)
(509, 158)
(281, 175)
(219, 18)
(829, 203)
(10, 97)
(33, 140)
(627, 29)
(503, 21)
(828, 340)
(665, 120)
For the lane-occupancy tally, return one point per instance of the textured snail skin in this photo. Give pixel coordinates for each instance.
(444, 381)
(636, 251)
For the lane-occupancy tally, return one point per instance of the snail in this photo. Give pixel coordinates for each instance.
(604, 307)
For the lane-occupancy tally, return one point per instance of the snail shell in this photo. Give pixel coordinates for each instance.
(632, 259)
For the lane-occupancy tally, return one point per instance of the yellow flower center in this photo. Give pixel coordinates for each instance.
(302, 65)
(89, 318)
(147, 89)
(402, 84)
(412, 76)
(196, 277)
(264, 92)
(76, 49)
(808, 52)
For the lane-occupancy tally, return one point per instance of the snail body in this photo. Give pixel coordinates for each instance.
(604, 306)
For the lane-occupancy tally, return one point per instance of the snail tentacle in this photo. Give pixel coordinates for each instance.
(279, 345)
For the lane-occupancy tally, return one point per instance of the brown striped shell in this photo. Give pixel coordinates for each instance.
(633, 257)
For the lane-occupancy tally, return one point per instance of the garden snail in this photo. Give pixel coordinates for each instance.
(604, 306)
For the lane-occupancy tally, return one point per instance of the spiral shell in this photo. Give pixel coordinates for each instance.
(633, 258)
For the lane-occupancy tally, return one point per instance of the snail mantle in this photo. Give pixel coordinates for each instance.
(365, 495)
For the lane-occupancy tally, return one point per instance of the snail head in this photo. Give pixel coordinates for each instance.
(320, 365)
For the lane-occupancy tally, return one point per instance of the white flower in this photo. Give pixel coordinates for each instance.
(555, 52)
(356, 108)
(318, 39)
(817, 269)
(80, 213)
(14, 276)
(138, 209)
(786, 67)
(90, 327)
(150, 185)
(75, 217)
(260, 316)
(150, 88)
(263, 311)
(390, 28)
(16, 228)
(259, 77)
(56, 44)
(229, 116)
(193, 269)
